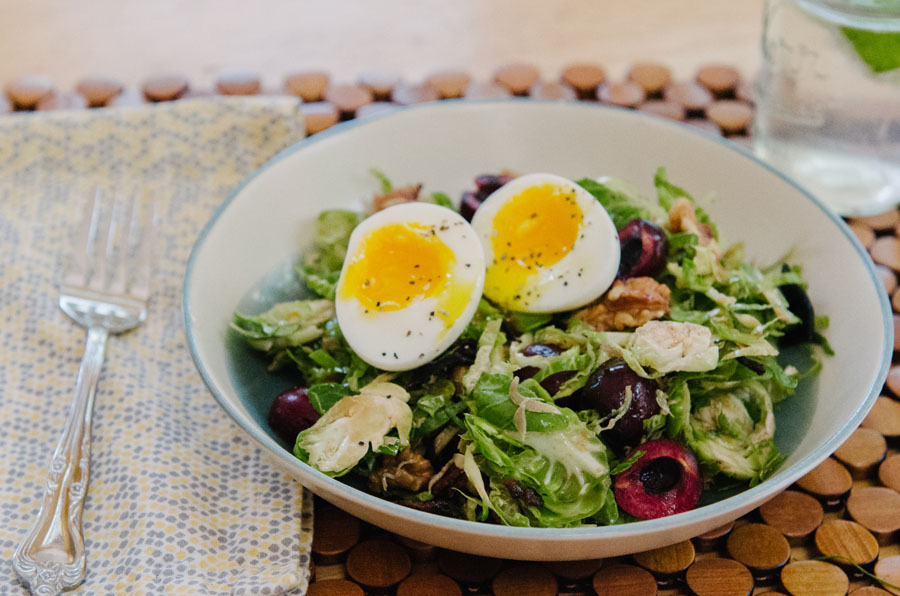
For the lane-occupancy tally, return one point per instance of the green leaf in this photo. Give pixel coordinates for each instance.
(621, 207)
(386, 185)
(526, 322)
(491, 400)
(324, 395)
(321, 266)
(879, 50)
(323, 359)
(442, 199)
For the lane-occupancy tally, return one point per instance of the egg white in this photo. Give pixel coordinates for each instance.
(578, 278)
(412, 336)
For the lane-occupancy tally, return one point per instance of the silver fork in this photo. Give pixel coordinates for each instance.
(105, 288)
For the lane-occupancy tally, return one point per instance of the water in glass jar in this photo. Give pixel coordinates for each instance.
(824, 116)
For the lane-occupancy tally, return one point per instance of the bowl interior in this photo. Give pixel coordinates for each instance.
(244, 258)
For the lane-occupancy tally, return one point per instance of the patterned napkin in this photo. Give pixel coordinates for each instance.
(179, 501)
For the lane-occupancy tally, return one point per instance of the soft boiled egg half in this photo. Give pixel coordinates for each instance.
(549, 245)
(410, 284)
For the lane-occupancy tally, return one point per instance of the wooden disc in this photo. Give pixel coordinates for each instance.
(419, 551)
(550, 90)
(888, 278)
(793, 513)
(731, 115)
(62, 101)
(719, 577)
(348, 97)
(626, 95)
(309, 86)
(763, 549)
(165, 87)
(319, 115)
(667, 562)
(238, 82)
(334, 531)
(584, 78)
(893, 380)
(885, 250)
(334, 587)
(829, 481)
(814, 578)
(693, 96)
(428, 584)
(525, 580)
(449, 84)
(881, 221)
(469, 569)
(624, 580)
(848, 541)
(479, 90)
(877, 509)
(869, 591)
(896, 332)
(97, 91)
(405, 94)
(666, 109)
(864, 232)
(884, 417)
(517, 77)
(862, 452)
(889, 472)
(25, 92)
(575, 570)
(381, 84)
(378, 563)
(888, 569)
(711, 540)
(720, 79)
(651, 77)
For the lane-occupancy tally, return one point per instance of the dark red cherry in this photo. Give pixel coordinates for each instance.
(545, 350)
(605, 391)
(664, 481)
(643, 247)
(290, 413)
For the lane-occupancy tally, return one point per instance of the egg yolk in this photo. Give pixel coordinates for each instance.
(401, 264)
(533, 230)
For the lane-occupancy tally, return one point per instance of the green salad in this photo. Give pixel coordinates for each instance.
(641, 370)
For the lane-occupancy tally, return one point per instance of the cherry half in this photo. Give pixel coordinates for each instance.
(643, 247)
(664, 481)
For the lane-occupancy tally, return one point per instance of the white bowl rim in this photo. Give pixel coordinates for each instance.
(782, 479)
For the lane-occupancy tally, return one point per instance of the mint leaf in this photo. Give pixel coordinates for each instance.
(881, 51)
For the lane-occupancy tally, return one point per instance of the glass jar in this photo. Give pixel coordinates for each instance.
(828, 100)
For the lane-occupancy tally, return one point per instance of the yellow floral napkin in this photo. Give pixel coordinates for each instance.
(180, 502)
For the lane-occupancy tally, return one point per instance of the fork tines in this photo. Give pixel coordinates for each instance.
(113, 245)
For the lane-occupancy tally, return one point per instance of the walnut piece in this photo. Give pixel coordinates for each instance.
(408, 469)
(628, 304)
(683, 218)
(404, 194)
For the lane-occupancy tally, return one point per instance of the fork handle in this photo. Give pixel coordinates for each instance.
(52, 557)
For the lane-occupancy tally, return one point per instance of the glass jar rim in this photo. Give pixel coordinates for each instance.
(874, 15)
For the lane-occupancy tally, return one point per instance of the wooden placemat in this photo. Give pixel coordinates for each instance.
(813, 539)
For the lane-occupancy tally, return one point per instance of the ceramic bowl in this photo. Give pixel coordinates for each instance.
(243, 259)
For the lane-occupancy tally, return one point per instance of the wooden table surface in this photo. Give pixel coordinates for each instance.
(133, 39)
